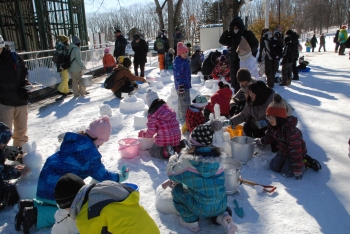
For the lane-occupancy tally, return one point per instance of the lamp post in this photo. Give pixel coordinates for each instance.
(279, 12)
(246, 12)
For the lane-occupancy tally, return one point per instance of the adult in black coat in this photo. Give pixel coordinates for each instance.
(313, 42)
(13, 97)
(232, 38)
(335, 40)
(287, 61)
(196, 62)
(209, 64)
(140, 47)
(119, 45)
(295, 50)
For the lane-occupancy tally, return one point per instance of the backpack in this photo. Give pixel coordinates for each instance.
(276, 48)
(347, 43)
(62, 60)
(15, 58)
(109, 82)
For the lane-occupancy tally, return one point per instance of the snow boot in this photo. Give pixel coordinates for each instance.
(194, 227)
(29, 218)
(312, 163)
(168, 151)
(227, 222)
(19, 216)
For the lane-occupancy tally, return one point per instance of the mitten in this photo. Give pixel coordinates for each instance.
(226, 123)
(259, 59)
(123, 174)
(11, 152)
(258, 141)
(141, 132)
(181, 90)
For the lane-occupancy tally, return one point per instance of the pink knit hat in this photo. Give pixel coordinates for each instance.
(181, 48)
(100, 129)
(107, 50)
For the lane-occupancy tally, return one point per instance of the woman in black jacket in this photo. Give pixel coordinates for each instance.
(140, 47)
(232, 38)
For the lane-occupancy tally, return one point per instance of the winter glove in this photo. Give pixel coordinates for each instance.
(11, 152)
(258, 141)
(123, 174)
(141, 132)
(181, 90)
(226, 123)
(259, 59)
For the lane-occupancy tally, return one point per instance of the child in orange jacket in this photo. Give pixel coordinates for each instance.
(108, 61)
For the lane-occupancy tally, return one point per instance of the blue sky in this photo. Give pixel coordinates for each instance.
(93, 5)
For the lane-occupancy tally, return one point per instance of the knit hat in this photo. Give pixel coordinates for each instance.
(202, 135)
(107, 50)
(344, 26)
(136, 37)
(181, 48)
(243, 74)
(62, 38)
(221, 84)
(100, 129)
(244, 46)
(66, 189)
(222, 60)
(5, 133)
(171, 51)
(76, 40)
(117, 31)
(277, 107)
(120, 59)
(151, 96)
(200, 101)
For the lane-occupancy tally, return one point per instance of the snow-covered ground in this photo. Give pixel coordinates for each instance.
(319, 203)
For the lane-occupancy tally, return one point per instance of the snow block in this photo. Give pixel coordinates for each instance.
(210, 83)
(131, 104)
(164, 201)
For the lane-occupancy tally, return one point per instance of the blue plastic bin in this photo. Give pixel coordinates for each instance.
(306, 69)
(134, 186)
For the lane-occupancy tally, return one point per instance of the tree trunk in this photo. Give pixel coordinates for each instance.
(170, 23)
(159, 11)
(230, 9)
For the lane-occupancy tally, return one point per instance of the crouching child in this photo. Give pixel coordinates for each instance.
(8, 192)
(292, 159)
(106, 207)
(199, 181)
(161, 122)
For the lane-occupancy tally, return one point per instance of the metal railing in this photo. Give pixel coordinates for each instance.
(42, 70)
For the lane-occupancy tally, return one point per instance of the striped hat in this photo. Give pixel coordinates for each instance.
(277, 107)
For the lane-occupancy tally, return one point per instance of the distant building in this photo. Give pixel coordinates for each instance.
(210, 35)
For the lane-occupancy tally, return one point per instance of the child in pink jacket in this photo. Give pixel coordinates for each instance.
(162, 122)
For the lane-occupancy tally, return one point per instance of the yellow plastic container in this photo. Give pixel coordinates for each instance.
(238, 131)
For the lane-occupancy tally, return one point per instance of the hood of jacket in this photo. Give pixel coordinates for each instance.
(237, 21)
(71, 46)
(100, 194)
(164, 113)
(75, 141)
(225, 92)
(205, 166)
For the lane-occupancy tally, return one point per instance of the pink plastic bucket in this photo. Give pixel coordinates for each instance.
(129, 147)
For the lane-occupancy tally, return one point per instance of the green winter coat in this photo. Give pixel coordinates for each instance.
(77, 65)
(343, 35)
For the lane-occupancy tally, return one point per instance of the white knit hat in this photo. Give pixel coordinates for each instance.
(200, 101)
(151, 96)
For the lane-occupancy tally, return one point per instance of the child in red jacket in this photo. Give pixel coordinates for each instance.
(222, 70)
(108, 61)
(221, 97)
(194, 114)
(162, 122)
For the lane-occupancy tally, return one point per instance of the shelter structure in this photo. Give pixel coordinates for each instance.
(34, 24)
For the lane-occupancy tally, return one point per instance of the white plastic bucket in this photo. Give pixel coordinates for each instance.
(146, 143)
(242, 148)
(232, 169)
(86, 80)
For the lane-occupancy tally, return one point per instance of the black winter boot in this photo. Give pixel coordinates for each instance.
(29, 218)
(19, 216)
(312, 163)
